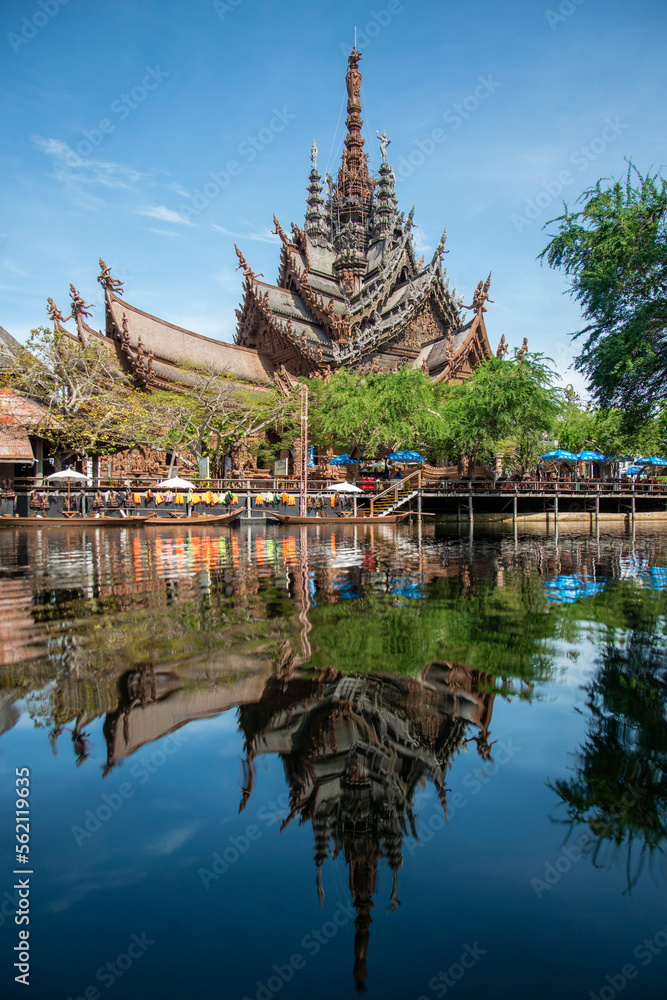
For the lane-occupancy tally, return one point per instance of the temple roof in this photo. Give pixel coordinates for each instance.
(20, 411)
(171, 347)
(350, 290)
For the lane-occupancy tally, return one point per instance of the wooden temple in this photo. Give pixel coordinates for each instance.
(350, 289)
(350, 292)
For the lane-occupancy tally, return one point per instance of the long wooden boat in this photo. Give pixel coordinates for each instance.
(71, 522)
(194, 519)
(343, 519)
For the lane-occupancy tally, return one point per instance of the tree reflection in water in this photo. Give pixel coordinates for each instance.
(619, 784)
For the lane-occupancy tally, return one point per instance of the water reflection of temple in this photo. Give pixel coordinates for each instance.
(355, 751)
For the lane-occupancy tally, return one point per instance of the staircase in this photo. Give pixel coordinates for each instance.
(394, 497)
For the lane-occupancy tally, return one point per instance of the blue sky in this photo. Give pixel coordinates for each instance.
(115, 117)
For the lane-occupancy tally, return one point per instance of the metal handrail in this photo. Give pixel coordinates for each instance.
(396, 486)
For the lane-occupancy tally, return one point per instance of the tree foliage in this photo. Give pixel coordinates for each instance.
(503, 399)
(582, 427)
(384, 411)
(614, 251)
(94, 408)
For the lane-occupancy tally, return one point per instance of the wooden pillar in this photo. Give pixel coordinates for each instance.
(556, 508)
(247, 504)
(514, 507)
(419, 506)
(470, 507)
(354, 501)
(634, 508)
(597, 506)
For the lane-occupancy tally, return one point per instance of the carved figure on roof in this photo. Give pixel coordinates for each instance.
(125, 333)
(440, 249)
(313, 155)
(522, 350)
(330, 186)
(105, 279)
(502, 348)
(279, 231)
(55, 313)
(424, 367)
(450, 349)
(384, 142)
(248, 272)
(480, 296)
(303, 340)
(485, 290)
(353, 77)
(297, 234)
(79, 307)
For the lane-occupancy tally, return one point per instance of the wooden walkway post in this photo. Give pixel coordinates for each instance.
(514, 508)
(556, 508)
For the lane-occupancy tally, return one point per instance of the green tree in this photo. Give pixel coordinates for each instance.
(387, 410)
(214, 413)
(614, 251)
(503, 399)
(92, 406)
(582, 427)
(618, 786)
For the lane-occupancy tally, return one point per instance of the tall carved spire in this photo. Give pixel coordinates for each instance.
(353, 199)
(353, 178)
(316, 220)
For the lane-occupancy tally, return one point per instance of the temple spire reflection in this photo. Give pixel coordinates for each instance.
(356, 750)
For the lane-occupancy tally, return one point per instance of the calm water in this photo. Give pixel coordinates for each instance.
(300, 763)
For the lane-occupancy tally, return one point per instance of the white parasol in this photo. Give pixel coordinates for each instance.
(71, 476)
(344, 488)
(175, 484)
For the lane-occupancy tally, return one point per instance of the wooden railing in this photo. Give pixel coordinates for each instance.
(580, 487)
(415, 478)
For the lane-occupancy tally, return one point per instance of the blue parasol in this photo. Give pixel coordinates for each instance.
(562, 456)
(566, 589)
(652, 460)
(405, 456)
(634, 470)
(590, 456)
(344, 460)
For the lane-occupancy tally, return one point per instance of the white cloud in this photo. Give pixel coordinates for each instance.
(163, 232)
(260, 236)
(69, 166)
(162, 213)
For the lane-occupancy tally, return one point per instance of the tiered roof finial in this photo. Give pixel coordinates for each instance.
(316, 218)
(386, 206)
